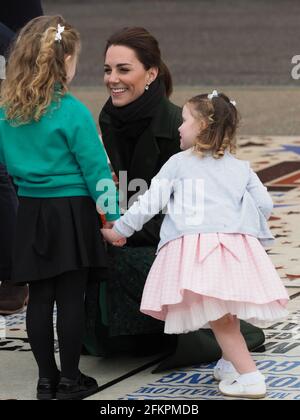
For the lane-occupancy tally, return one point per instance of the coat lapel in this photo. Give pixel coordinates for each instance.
(145, 157)
(147, 154)
(111, 146)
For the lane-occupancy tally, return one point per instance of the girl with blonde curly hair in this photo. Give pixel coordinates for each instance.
(211, 269)
(50, 145)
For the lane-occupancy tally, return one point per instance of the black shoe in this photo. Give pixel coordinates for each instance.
(46, 388)
(76, 389)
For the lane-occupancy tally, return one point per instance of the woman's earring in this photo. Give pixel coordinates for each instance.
(147, 86)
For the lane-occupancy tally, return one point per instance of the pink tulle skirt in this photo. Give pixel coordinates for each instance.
(200, 278)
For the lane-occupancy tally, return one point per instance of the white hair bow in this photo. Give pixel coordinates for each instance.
(59, 31)
(213, 94)
(233, 103)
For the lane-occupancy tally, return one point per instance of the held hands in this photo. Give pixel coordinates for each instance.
(111, 236)
(108, 225)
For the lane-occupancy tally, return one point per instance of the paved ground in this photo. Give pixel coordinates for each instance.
(277, 162)
(243, 48)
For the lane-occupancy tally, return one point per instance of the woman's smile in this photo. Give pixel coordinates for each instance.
(117, 92)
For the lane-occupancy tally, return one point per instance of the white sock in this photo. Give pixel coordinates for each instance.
(219, 364)
(225, 365)
(251, 378)
(228, 366)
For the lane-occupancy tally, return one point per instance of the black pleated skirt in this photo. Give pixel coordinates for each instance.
(56, 235)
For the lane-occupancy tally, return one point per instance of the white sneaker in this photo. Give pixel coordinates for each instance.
(236, 389)
(222, 375)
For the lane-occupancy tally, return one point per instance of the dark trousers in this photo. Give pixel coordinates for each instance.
(8, 215)
(67, 291)
(6, 36)
(15, 13)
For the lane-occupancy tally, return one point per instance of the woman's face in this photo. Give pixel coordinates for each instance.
(125, 76)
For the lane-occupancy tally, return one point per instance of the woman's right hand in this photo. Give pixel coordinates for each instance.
(108, 225)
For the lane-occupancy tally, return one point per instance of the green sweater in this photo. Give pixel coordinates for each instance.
(59, 156)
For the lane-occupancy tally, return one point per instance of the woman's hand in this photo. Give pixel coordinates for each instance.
(113, 237)
(108, 225)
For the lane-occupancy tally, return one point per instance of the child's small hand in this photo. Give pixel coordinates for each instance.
(113, 237)
(120, 242)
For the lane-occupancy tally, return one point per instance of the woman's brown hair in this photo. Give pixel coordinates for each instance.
(221, 120)
(147, 51)
(35, 67)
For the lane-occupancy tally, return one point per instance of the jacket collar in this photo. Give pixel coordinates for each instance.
(147, 151)
(160, 125)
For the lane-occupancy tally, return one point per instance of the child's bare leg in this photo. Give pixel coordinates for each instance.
(234, 348)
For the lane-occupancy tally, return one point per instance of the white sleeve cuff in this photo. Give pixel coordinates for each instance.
(122, 229)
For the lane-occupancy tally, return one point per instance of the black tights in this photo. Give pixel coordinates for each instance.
(67, 291)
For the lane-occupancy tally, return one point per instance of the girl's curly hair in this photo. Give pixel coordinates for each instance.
(221, 119)
(35, 67)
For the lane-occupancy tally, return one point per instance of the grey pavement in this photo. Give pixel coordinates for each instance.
(204, 42)
(243, 48)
